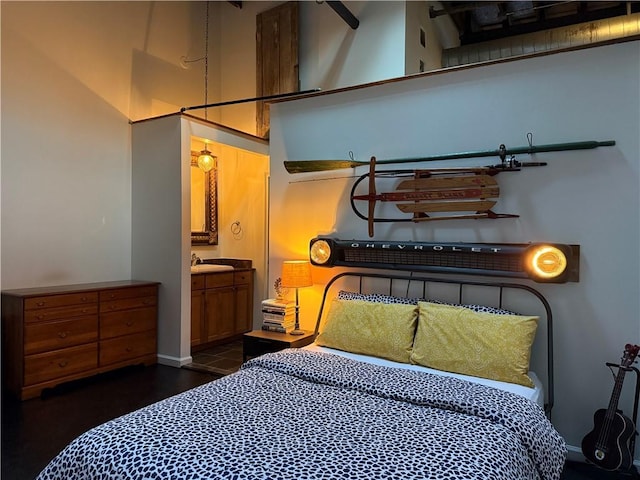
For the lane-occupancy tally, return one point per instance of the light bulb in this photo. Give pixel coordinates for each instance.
(206, 161)
(320, 252)
(547, 262)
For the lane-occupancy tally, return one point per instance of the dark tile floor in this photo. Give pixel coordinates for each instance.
(34, 431)
(223, 359)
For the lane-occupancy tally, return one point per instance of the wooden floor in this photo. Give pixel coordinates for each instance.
(34, 431)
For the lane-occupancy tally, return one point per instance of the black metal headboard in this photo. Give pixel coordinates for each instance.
(416, 285)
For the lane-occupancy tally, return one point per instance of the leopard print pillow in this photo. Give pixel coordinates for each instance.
(381, 298)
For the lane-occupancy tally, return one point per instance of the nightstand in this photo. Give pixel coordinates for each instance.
(258, 342)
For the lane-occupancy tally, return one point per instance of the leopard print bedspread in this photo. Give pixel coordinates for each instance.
(296, 415)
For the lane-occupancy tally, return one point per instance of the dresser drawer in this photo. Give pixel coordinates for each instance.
(42, 337)
(60, 313)
(124, 348)
(197, 282)
(115, 324)
(35, 303)
(214, 280)
(128, 303)
(131, 292)
(59, 363)
(242, 277)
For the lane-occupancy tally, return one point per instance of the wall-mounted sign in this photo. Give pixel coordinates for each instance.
(541, 262)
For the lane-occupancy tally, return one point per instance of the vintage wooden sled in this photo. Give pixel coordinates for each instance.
(436, 194)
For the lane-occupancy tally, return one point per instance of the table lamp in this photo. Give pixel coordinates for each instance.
(296, 274)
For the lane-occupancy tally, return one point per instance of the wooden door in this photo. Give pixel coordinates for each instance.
(276, 57)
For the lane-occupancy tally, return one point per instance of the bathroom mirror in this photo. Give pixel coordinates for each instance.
(204, 204)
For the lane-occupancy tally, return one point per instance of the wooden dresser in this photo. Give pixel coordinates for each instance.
(52, 335)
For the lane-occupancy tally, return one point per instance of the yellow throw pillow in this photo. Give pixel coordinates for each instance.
(457, 339)
(377, 329)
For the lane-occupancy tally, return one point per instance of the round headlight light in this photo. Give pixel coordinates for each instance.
(546, 262)
(320, 252)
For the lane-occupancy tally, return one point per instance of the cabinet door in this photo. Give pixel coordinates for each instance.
(219, 312)
(197, 317)
(244, 308)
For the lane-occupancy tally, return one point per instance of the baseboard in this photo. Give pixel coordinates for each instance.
(176, 362)
(574, 454)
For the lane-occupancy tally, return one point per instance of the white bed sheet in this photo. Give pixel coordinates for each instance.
(535, 394)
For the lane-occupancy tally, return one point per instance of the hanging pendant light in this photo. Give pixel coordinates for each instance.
(206, 161)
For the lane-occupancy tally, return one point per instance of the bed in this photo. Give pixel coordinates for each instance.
(334, 410)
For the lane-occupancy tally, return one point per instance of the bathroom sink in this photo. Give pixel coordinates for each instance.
(209, 268)
(234, 262)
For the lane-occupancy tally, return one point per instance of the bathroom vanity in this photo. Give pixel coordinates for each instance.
(221, 302)
(52, 335)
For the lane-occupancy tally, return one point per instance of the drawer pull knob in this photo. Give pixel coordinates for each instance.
(62, 334)
(41, 317)
(129, 323)
(41, 304)
(84, 299)
(63, 363)
(128, 349)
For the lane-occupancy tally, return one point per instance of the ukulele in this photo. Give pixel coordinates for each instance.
(608, 444)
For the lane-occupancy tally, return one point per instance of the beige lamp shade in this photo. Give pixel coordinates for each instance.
(296, 274)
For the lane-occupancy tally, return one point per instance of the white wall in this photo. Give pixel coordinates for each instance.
(73, 73)
(160, 239)
(584, 197)
(333, 55)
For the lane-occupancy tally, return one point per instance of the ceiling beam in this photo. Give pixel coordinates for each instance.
(344, 13)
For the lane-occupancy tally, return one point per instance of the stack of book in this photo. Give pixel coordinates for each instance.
(278, 315)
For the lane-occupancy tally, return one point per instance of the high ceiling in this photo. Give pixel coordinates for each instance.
(483, 21)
